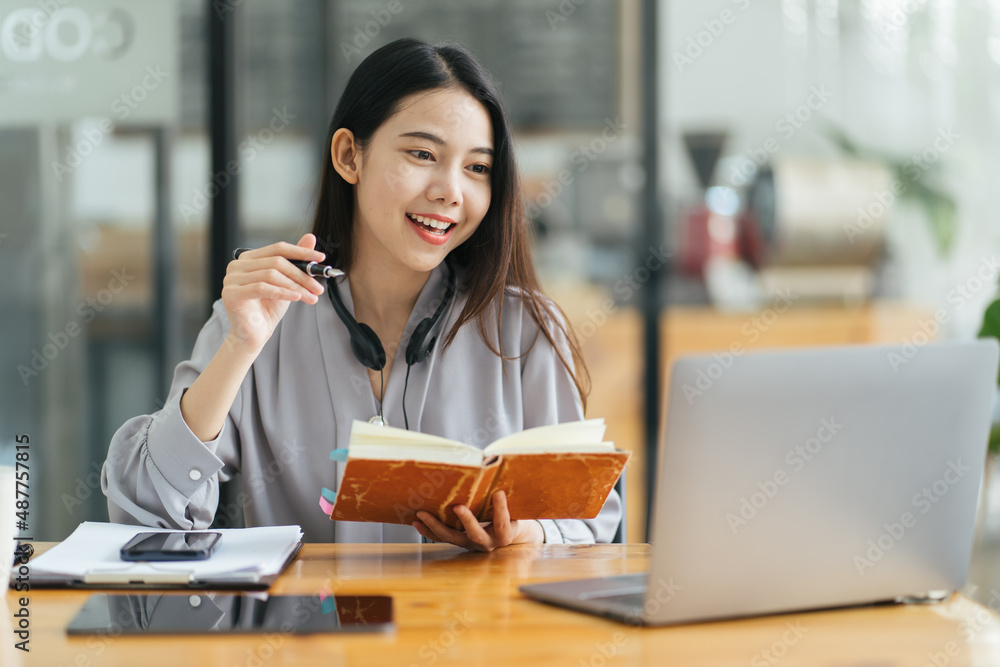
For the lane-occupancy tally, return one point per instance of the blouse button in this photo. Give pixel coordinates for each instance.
(195, 475)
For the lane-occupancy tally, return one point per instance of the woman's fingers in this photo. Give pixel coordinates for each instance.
(503, 532)
(276, 271)
(442, 533)
(440, 530)
(260, 284)
(500, 532)
(308, 241)
(425, 531)
(271, 264)
(474, 530)
(304, 250)
(259, 287)
(262, 291)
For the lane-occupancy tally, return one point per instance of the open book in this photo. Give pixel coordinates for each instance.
(560, 471)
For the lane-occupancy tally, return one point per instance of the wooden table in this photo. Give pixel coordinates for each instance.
(455, 606)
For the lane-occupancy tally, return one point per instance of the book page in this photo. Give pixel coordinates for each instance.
(369, 441)
(578, 436)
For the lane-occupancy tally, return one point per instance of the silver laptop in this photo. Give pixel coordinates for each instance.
(808, 479)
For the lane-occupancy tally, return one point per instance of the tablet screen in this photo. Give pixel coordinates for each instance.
(220, 613)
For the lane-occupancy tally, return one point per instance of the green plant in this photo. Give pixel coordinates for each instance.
(912, 177)
(941, 213)
(991, 327)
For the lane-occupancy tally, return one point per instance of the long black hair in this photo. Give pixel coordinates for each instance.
(497, 257)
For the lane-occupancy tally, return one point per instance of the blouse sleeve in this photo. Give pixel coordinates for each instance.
(550, 397)
(158, 473)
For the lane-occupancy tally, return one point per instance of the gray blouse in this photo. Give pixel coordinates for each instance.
(297, 403)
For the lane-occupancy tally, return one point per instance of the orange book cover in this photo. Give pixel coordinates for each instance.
(394, 491)
(388, 484)
(559, 485)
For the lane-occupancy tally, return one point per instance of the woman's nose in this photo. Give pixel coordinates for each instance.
(446, 187)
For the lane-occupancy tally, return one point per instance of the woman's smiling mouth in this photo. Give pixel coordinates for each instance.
(436, 229)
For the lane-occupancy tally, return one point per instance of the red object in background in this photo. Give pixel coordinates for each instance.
(749, 239)
(694, 242)
(733, 237)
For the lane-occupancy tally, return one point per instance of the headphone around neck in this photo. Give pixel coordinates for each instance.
(368, 348)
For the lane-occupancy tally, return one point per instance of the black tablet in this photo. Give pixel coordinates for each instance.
(226, 613)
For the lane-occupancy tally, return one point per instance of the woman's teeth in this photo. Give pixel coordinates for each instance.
(436, 226)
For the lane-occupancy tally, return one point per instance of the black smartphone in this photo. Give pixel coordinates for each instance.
(179, 545)
(228, 613)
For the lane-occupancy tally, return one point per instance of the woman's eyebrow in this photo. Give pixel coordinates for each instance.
(441, 142)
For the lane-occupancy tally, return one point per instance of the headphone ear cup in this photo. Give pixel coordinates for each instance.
(367, 347)
(415, 352)
(365, 344)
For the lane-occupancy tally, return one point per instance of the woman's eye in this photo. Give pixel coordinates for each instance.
(480, 169)
(421, 155)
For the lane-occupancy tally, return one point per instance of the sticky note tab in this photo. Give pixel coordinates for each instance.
(326, 500)
(339, 455)
(329, 604)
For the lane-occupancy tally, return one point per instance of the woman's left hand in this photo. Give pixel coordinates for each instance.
(478, 536)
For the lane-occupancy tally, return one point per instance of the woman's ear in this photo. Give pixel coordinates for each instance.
(345, 155)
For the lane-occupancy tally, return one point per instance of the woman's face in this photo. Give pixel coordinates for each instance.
(426, 168)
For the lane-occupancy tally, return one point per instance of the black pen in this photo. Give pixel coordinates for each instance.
(314, 269)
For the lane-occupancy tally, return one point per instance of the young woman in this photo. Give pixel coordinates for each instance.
(420, 205)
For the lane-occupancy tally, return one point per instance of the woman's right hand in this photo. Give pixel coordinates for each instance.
(259, 286)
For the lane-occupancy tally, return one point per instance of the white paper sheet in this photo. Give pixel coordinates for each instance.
(91, 554)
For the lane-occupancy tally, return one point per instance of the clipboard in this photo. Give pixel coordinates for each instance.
(246, 559)
(113, 580)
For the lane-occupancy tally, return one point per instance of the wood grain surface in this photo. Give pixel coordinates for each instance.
(456, 607)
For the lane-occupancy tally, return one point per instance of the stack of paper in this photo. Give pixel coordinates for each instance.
(244, 558)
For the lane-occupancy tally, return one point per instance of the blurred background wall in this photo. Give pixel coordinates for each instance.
(825, 177)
